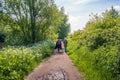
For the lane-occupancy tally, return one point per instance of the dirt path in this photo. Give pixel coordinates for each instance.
(58, 67)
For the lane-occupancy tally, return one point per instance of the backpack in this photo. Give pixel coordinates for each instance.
(58, 42)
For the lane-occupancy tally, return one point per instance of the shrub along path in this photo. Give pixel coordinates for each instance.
(58, 67)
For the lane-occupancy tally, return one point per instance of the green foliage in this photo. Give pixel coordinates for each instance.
(64, 27)
(30, 21)
(96, 50)
(17, 62)
(2, 37)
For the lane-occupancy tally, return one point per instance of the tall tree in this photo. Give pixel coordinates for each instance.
(33, 20)
(65, 26)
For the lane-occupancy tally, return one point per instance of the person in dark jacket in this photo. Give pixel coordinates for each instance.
(58, 45)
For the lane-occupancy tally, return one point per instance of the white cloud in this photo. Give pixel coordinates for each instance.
(79, 10)
(73, 9)
(77, 22)
(83, 1)
(117, 7)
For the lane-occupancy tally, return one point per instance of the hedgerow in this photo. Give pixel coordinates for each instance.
(17, 62)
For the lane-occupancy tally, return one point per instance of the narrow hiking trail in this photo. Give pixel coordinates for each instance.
(57, 67)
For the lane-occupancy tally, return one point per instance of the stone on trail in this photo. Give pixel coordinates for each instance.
(54, 75)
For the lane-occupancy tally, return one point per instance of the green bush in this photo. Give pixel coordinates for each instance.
(96, 49)
(17, 62)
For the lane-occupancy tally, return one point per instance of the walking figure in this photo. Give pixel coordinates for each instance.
(65, 44)
(58, 45)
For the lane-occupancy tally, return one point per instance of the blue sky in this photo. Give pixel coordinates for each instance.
(79, 10)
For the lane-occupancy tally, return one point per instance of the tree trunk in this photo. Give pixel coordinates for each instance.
(32, 13)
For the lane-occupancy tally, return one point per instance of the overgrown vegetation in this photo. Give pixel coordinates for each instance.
(95, 50)
(29, 29)
(17, 61)
(30, 21)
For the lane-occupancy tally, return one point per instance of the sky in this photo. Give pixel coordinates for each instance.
(78, 11)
